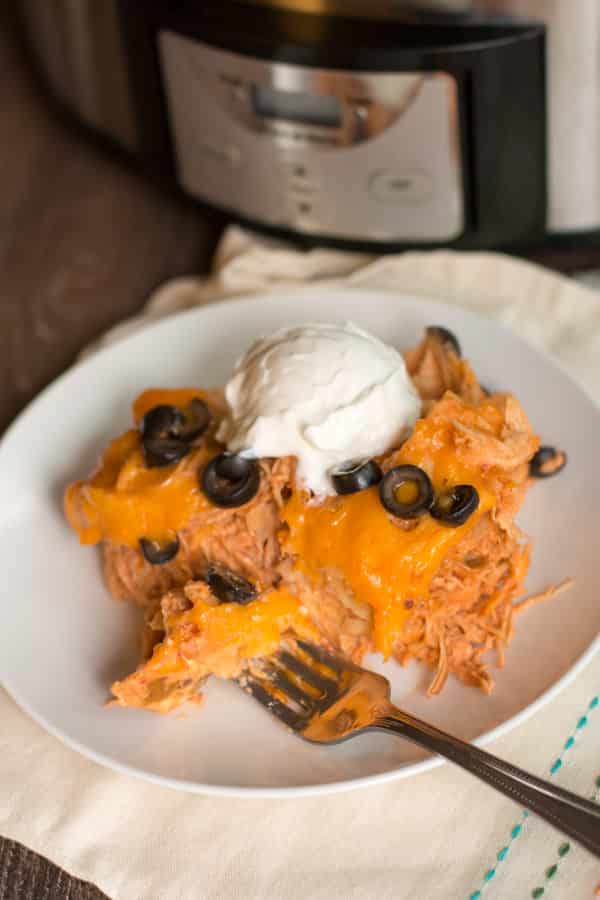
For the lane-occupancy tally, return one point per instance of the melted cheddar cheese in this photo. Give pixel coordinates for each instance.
(221, 637)
(387, 562)
(125, 500)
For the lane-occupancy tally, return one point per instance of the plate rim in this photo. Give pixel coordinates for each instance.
(406, 770)
(335, 787)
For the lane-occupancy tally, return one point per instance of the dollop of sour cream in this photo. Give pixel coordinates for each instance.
(324, 393)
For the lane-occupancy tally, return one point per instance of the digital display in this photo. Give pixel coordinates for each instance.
(308, 109)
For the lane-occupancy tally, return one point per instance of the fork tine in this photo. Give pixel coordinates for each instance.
(325, 685)
(286, 715)
(322, 656)
(289, 688)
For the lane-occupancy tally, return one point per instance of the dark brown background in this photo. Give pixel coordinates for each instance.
(84, 238)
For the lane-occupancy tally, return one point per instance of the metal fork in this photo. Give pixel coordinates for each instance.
(325, 699)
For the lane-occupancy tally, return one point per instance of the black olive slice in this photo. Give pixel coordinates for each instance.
(167, 431)
(164, 451)
(161, 422)
(546, 462)
(456, 505)
(229, 587)
(230, 480)
(410, 481)
(446, 337)
(196, 417)
(157, 553)
(355, 475)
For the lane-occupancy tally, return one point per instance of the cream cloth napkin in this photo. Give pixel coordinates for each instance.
(438, 835)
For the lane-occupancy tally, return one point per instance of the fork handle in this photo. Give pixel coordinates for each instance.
(573, 815)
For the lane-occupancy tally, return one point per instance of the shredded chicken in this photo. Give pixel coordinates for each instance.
(542, 596)
(243, 540)
(467, 612)
(435, 369)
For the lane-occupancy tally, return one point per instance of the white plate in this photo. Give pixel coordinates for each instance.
(63, 640)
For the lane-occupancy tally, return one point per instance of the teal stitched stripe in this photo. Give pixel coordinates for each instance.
(516, 830)
(564, 848)
(562, 851)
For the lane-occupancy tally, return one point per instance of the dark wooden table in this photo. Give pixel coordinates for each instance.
(84, 238)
